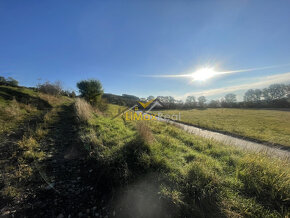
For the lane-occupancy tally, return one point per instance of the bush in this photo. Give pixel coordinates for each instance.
(68, 93)
(50, 88)
(91, 90)
(8, 82)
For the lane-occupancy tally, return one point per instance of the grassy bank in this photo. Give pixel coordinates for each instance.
(152, 163)
(271, 126)
(24, 124)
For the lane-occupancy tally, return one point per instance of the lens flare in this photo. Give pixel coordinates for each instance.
(203, 74)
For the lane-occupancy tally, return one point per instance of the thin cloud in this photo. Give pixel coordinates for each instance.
(266, 81)
(216, 73)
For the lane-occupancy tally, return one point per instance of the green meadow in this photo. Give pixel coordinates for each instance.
(60, 148)
(196, 176)
(266, 125)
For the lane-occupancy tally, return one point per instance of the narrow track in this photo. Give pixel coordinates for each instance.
(231, 140)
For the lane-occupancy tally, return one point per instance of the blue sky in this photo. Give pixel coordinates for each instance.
(118, 42)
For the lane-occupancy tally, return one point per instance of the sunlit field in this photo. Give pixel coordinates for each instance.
(145, 109)
(71, 147)
(196, 176)
(272, 126)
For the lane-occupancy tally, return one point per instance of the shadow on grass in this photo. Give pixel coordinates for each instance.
(9, 94)
(10, 152)
(70, 182)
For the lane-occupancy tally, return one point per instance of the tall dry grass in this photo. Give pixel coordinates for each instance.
(84, 110)
(14, 110)
(145, 132)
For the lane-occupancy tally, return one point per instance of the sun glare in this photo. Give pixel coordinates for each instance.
(203, 74)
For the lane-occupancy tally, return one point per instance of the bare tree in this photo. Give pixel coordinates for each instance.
(190, 102)
(50, 88)
(230, 100)
(275, 92)
(201, 101)
(214, 104)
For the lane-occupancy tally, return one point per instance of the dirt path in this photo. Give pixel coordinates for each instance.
(62, 185)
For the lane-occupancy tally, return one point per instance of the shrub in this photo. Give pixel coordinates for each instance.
(91, 90)
(50, 88)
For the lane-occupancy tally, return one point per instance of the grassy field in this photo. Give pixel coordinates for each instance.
(195, 176)
(265, 125)
(75, 160)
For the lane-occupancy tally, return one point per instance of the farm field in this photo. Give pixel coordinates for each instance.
(270, 126)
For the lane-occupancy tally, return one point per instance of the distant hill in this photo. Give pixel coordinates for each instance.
(123, 100)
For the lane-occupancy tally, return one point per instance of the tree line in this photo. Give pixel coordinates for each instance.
(276, 96)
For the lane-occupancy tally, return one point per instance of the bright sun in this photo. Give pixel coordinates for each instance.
(203, 74)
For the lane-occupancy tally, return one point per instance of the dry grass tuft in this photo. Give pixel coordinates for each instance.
(12, 110)
(145, 132)
(28, 142)
(83, 109)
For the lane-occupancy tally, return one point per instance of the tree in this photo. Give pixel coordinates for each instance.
(50, 88)
(12, 82)
(190, 102)
(275, 92)
(230, 99)
(214, 103)
(171, 101)
(201, 101)
(91, 90)
(258, 95)
(249, 96)
(253, 96)
(8, 82)
(288, 93)
(2, 80)
(73, 94)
